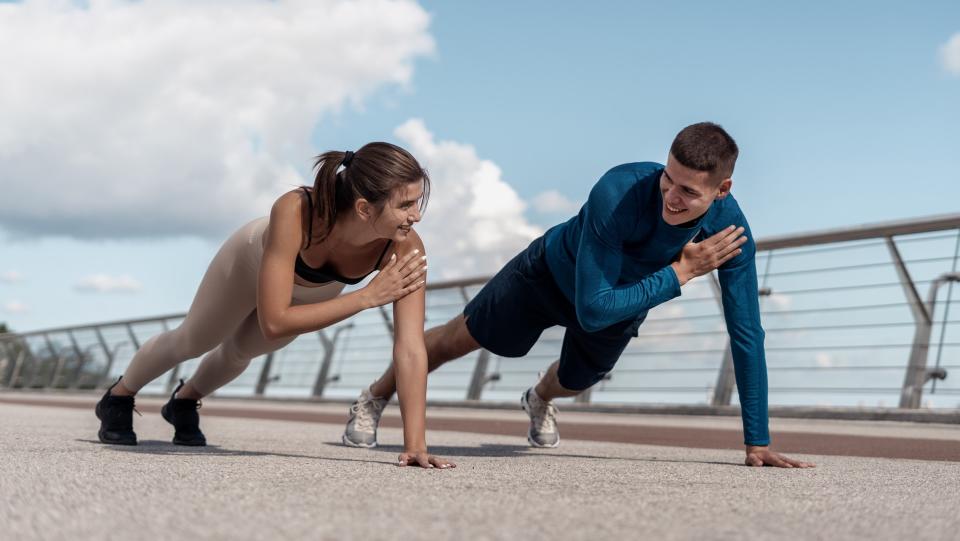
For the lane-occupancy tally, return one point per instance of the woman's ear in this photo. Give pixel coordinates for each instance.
(365, 211)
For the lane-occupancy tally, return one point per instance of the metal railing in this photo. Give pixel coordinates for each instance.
(854, 316)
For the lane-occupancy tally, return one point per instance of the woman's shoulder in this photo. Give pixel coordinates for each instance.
(404, 247)
(291, 202)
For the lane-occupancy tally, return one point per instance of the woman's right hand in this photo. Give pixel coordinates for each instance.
(396, 279)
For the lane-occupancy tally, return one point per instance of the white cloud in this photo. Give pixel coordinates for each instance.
(165, 117)
(103, 283)
(554, 202)
(950, 54)
(10, 277)
(475, 221)
(16, 307)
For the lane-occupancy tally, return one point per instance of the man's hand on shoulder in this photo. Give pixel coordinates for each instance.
(761, 455)
(699, 258)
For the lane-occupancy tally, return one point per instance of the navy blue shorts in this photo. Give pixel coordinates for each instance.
(511, 311)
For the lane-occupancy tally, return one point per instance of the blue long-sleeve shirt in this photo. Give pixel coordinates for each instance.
(612, 261)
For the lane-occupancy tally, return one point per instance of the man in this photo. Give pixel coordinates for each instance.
(645, 231)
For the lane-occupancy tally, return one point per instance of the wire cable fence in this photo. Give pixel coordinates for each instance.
(863, 316)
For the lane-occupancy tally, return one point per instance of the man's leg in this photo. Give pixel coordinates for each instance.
(549, 386)
(444, 343)
(585, 359)
(537, 402)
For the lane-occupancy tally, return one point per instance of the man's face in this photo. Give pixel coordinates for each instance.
(688, 193)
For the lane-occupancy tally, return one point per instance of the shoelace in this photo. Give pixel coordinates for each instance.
(545, 417)
(366, 412)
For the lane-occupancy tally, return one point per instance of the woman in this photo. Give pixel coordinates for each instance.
(281, 276)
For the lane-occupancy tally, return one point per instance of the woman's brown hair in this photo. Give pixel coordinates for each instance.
(371, 173)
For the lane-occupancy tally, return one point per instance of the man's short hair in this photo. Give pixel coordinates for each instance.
(706, 146)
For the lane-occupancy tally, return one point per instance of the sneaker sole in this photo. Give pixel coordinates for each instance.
(166, 417)
(112, 442)
(530, 440)
(346, 441)
(189, 443)
(533, 443)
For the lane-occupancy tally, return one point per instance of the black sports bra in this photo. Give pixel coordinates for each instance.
(323, 274)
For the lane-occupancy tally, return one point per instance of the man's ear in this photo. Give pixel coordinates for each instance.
(724, 188)
(364, 209)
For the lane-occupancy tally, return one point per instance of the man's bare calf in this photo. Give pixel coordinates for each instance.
(444, 343)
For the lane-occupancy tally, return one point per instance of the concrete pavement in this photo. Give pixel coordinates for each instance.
(265, 478)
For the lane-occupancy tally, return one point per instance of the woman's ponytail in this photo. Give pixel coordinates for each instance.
(326, 190)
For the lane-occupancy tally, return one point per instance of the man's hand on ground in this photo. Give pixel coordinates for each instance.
(762, 456)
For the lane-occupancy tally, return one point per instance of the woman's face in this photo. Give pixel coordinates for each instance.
(400, 212)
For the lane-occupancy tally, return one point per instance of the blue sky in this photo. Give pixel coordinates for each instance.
(845, 113)
(832, 104)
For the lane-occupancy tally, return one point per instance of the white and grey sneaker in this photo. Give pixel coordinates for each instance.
(361, 430)
(543, 430)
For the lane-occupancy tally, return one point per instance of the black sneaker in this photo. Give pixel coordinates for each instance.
(116, 418)
(182, 414)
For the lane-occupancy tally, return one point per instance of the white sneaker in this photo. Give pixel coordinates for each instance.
(361, 430)
(543, 430)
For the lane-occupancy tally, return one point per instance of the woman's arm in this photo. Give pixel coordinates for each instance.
(278, 318)
(410, 361)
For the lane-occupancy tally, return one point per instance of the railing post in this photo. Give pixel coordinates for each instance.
(726, 380)
(109, 355)
(264, 378)
(723, 389)
(6, 363)
(916, 374)
(61, 359)
(175, 371)
(81, 361)
(17, 368)
(479, 378)
(22, 359)
(946, 312)
(329, 347)
(133, 337)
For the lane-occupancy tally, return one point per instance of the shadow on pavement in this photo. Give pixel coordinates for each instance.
(488, 450)
(492, 450)
(158, 447)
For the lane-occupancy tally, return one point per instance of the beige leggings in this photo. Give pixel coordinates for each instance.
(222, 321)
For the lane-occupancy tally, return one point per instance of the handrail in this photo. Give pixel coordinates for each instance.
(802, 339)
